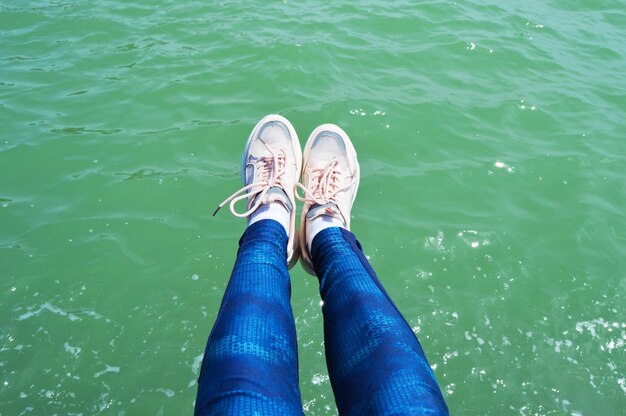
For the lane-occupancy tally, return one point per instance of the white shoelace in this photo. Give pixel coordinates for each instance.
(268, 172)
(325, 187)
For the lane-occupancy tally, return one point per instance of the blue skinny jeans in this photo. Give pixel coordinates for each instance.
(250, 366)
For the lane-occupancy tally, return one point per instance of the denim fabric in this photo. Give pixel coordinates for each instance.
(375, 362)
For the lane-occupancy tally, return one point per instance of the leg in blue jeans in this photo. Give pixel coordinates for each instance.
(375, 362)
(250, 364)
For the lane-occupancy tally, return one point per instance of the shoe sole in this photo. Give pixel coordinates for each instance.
(307, 264)
(292, 258)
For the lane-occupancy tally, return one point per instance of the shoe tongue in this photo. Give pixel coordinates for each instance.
(274, 194)
(329, 209)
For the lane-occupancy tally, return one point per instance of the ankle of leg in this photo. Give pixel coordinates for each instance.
(272, 211)
(318, 224)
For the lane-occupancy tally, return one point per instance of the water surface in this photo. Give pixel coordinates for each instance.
(491, 140)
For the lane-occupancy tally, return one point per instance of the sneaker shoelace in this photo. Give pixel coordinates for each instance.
(325, 185)
(268, 173)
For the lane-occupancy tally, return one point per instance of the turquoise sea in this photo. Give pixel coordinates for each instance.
(492, 143)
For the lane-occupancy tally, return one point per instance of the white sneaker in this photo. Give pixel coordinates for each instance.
(330, 179)
(270, 169)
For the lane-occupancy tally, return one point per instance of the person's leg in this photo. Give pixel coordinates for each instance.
(375, 363)
(250, 365)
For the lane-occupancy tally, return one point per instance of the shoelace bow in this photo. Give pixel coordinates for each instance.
(268, 173)
(325, 185)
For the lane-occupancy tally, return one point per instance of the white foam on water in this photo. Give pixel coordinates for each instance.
(50, 308)
(196, 363)
(72, 350)
(108, 369)
(318, 379)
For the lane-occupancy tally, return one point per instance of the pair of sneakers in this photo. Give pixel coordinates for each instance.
(271, 168)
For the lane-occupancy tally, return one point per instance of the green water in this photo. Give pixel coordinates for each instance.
(491, 137)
